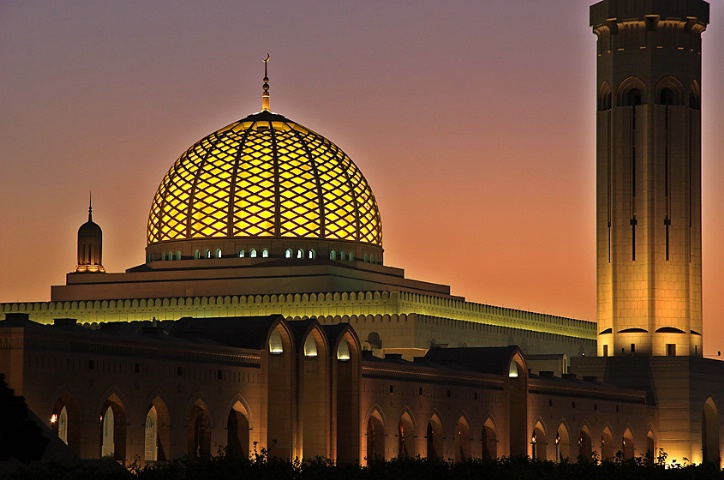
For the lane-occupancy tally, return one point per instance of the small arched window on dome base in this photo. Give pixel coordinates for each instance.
(311, 254)
(218, 253)
(241, 253)
(265, 253)
(252, 253)
(288, 253)
(332, 255)
(197, 254)
(300, 253)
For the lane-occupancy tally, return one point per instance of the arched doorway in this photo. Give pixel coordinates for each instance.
(627, 444)
(405, 437)
(375, 437)
(462, 440)
(710, 432)
(199, 431)
(314, 391)
(434, 438)
(517, 384)
(65, 422)
(281, 395)
(347, 383)
(538, 442)
(585, 449)
(157, 432)
(150, 428)
(237, 431)
(650, 447)
(113, 429)
(489, 441)
(607, 447)
(562, 443)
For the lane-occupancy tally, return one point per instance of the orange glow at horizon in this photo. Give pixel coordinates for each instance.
(490, 190)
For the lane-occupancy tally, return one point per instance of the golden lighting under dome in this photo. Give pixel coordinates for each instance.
(264, 176)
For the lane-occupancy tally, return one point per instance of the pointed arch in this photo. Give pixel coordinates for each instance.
(489, 440)
(669, 91)
(585, 444)
(238, 425)
(627, 444)
(198, 430)
(434, 436)
(710, 426)
(562, 441)
(346, 374)
(631, 92)
(157, 426)
(517, 404)
(650, 445)
(314, 391)
(279, 369)
(538, 441)
(406, 434)
(608, 452)
(67, 421)
(113, 426)
(375, 434)
(463, 440)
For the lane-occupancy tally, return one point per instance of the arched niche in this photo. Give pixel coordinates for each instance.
(237, 430)
(281, 396)
(406, 435)
(627, 444)
(585, 445)
(710, 431)
(65, 421)
(489, 439)
(538, 442)
(608, 451)
(434, 436)
(198, 432)
(314, 392)
(562, 443)
(346, 368)
(375, 436)
(113, 429)
(632, 92)
(463, 442)
(669, 91)
(604, 97)
(157, 431)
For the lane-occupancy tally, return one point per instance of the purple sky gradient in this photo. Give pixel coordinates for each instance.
(472, 121)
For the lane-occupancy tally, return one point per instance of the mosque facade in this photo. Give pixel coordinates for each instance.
(264, 316)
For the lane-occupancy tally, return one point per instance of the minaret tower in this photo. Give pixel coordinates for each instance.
(90, 245)
(648, 176)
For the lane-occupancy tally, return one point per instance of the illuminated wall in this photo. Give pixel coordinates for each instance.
(649, 177)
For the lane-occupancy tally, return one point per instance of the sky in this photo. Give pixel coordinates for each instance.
(473, 122)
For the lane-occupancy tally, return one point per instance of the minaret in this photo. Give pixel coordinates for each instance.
(648, 176)
(90, 245)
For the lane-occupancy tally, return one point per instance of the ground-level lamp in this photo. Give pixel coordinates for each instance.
(534, 444)
(54, 417)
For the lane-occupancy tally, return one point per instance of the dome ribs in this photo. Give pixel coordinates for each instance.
(318, 182)
(234, 176)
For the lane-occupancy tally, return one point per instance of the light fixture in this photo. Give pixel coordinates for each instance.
(54, 416)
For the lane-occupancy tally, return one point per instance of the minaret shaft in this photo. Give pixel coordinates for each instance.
(649, 177)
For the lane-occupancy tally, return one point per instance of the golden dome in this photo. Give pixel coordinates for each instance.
(264, 176)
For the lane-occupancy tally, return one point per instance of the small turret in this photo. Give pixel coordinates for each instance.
(90, 246)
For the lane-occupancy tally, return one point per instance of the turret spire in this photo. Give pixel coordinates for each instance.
(265, 95)
(90, 206)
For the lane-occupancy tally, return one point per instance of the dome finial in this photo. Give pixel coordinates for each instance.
(90, 206)
(265, 95)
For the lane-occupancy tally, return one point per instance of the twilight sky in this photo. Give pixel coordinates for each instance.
(473, 122)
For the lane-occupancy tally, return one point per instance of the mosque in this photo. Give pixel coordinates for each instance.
(265, 316)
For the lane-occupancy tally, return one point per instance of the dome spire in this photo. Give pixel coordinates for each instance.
(265, 95)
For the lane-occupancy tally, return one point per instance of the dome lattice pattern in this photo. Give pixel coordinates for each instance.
(264, 176)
